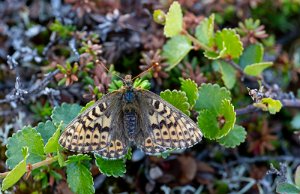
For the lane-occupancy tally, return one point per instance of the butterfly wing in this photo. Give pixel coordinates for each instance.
(118, 144)
(96, 129)
(165, 126)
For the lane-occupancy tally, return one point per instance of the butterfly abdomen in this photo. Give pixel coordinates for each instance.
(130, 123)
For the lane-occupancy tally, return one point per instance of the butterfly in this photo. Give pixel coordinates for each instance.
(130, 116)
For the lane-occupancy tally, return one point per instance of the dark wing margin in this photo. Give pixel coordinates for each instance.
(93, 130)
(167, 127)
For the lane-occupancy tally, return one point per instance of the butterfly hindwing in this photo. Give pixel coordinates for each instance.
(167, 127)
(118, 144)
(93, 129)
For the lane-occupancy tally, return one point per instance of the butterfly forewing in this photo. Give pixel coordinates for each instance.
(167, 127)
(95, 130)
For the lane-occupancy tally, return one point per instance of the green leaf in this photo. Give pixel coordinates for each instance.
(269, 104)
(25, 152)
(296, 121)
(287, 188)
(235, 137)
(257, 68)
(205, 30)
(79, 177)
(115, 85)
(227, 111)
(208, 121)
(211, 97)
(144, 84)
(65, 113)
(297, 176)
(56, 175)
(17, 172)
(159, 16)
(212, 55)
(88, 105)
(229, 43)
(61, 160)
(173, 25)
(191, 90)
(27, 137)
(128, 156)
(62, 81)
(78, 158)
(116, 168)
(52, 144)
(64, 31)
(46, 130)
(166, 154)
(252, 54)
(228, 73)
(176, 49)
(177, 99)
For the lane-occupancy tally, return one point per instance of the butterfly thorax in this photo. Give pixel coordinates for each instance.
(128, 89)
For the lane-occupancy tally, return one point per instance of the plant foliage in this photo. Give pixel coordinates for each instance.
(205, 67)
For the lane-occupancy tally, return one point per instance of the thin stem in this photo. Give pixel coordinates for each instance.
(240, 70)
(196, 41)
(252, 78)
(235, 66)
(294, 103)
(30, 92)
(45, 162)
(248, 109)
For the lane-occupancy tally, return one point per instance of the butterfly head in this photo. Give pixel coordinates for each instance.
(128, 82)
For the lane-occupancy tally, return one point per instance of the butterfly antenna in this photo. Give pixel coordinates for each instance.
(155, 64)
(102, 64)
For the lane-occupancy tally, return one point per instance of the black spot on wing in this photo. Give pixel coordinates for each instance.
(156, 104)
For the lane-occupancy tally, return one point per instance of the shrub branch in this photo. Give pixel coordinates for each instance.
(288, 103)
(19, 93)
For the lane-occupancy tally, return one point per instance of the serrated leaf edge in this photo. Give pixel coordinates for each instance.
(184, 96)
(223, 144)
(110, 174)
(63, 105)
(90, 173)
(196, 92)
(167, 18)
(234, 114)
(215, 86)
(18, 133)
(68, 161)
(235, 34)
